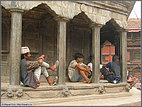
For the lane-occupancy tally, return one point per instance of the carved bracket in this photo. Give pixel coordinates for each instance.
(19, 93)
(59, 19)
(101, 89)
(93, 25)
(12, 93)
(65, 92)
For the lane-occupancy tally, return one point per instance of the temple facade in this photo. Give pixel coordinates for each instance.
(134, 47)
(59, 29)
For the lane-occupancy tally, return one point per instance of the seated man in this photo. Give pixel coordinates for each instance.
(132, 80)
(103, 72)
(91, 67)
(78, 70)
(28, 77)
(113, 75)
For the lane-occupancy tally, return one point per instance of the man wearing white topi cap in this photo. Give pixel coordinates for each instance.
(31, 70)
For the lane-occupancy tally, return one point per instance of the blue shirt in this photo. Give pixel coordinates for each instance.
(109, 65)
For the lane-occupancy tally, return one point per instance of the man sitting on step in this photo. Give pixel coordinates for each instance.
(31, 70)
(113, 74)
(78, 70)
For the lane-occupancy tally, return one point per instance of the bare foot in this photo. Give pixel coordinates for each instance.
(50, 83)
(55, 79)
(85, 81)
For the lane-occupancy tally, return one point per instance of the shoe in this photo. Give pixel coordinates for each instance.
(114, 81)
(55, 82)
(90, 80)
(57, 65)
(38, 85)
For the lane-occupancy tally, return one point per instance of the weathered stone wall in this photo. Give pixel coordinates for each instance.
(40, 40)
(98, 12)
(5, 47)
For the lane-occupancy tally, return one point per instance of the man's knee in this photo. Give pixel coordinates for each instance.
(43, 69)
(44, 64)
(37, 72)
(44, 72)
(81, 72)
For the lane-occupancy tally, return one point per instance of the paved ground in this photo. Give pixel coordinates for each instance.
(134, 100)
(132, 104)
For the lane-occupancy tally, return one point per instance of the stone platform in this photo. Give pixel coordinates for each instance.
(131, 98)
(70, 89)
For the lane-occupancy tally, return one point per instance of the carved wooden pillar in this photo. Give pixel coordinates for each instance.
(123, 55)
(96, 52)
(15, 45)
(61, 48)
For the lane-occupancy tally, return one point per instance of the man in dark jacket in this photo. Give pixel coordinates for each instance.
(113, 75)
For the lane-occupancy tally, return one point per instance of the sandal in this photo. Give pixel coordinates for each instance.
(57, 65)
(90, 80)
(55, 81)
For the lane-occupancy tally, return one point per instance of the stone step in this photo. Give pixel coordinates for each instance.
(70, 89)
(46, 101)
(109, 99)
(82, 98)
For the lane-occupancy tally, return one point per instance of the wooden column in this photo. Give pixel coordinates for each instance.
(96, 52)
(61, 49)
(123, 55)
(15, 46)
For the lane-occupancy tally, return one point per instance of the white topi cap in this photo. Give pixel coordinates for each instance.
(24, 50)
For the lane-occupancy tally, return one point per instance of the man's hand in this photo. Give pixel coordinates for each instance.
(41, 57)
(88, 69)
(40, 60)
(89, 72)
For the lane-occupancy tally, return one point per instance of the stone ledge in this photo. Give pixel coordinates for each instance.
(45, 101)
(58, 87)
(61, 90)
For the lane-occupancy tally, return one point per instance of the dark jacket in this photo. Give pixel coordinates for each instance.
(115, 68)
(27, 73)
